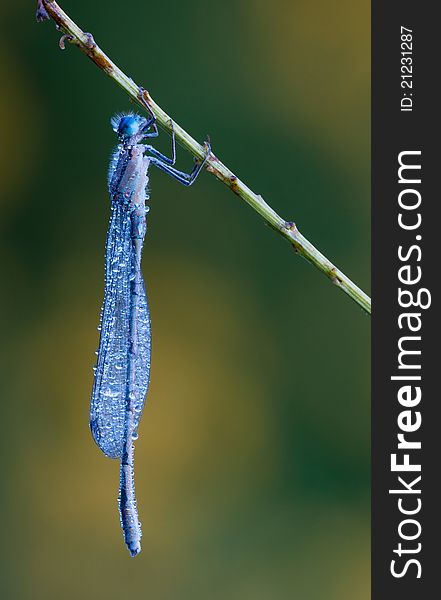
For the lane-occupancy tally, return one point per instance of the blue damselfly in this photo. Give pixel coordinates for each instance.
(123, 366)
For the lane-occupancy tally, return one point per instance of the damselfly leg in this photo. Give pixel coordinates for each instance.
(165, 163)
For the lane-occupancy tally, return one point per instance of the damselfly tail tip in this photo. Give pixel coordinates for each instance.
(134, 549)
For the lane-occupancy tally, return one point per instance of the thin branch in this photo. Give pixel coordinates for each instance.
(85, 42)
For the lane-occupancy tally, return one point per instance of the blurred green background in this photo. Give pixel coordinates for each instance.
(252, 465)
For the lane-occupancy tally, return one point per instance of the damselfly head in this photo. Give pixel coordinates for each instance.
(128, 125)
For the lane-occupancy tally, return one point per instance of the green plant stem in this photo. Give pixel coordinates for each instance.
(85, 42)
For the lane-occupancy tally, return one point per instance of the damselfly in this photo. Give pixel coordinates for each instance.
(123, 366)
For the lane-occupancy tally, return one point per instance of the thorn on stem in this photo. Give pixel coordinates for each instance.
(89, 41)
(207, 148)
(290, 226)
(65, 38)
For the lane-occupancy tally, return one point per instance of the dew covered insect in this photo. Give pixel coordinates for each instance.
(121, 374)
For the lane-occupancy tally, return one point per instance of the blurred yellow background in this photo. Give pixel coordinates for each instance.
(252, 464)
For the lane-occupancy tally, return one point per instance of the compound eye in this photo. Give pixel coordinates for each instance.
(128, 126)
